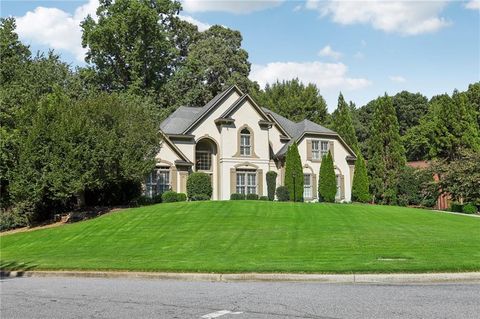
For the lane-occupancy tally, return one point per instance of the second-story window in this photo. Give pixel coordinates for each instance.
(316, 150)
(324, 148)
(245, 143)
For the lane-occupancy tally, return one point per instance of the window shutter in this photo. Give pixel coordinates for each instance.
(342, 187)
(260, 182)
(314, 186)
(330, 148)
(233, 181)
(309, 150)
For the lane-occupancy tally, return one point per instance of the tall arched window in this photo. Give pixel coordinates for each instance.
(245, 142)
(203, 155)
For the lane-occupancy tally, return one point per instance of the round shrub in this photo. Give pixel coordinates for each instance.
(181, 197)
(237, 196)
(169, 197)
(252, 197)
(470, 208)
(199, 197)
(199, 184)
(271, 184)
(263, 198)
(283, 195)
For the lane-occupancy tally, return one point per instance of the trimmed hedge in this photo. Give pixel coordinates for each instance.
(169, 197)
(456, 207)
(283, 195)
(470, 208)
(181, 197)
(199, 184)
(199, 197)
(252, 197)
(237, 196)
(265, 198)
(271, 184)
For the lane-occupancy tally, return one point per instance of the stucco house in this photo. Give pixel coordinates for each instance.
(236, 142)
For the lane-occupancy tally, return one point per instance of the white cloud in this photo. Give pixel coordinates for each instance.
(231, 6)
(397, 79)
(403, 17)
(324, 75)
(201, 25)
(329, 52)
(473, 5)
(56, 28)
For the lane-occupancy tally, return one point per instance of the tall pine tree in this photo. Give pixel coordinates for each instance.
(327, 184)
(294, 173)
(360, 184)
(343, 123)
(386, 152)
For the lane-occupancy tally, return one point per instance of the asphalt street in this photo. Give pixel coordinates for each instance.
(143, 298)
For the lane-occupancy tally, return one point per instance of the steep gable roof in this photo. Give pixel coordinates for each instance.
(186, 117)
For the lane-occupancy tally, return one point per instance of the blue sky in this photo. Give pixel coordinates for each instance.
(360, 48)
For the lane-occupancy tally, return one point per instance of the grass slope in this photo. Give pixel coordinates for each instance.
(255, 236)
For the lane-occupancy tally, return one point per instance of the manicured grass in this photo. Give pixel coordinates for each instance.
(255, 236)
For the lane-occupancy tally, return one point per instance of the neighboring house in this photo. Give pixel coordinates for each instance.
(444, 199)
(236, 142)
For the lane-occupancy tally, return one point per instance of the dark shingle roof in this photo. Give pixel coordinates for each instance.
(180, 120)
(183, 117)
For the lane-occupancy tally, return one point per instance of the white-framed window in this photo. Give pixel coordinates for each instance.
(323, 148)
(315, 149)
(203, 156)
(307, 186)
(158, 181)
(245, 142)
(246, 182)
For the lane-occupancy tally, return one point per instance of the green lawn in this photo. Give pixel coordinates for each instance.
(255, 236)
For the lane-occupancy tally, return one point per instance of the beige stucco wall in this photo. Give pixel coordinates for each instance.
(340, 153)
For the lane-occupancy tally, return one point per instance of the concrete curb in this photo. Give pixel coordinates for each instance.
(213, 277)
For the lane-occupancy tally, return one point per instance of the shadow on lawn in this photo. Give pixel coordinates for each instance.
(10, 269)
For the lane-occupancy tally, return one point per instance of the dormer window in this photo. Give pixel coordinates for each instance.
(245, 143)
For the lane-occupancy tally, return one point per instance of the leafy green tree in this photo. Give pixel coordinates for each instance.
(215, 61)
(343, 124)
(294, 173)
(131, 45)
(360, 184)
(23, 80)
(473, 94)
(410, 108)
(327, 183)
(386, 152)
(73, 146)
(294, 100)
(454, 126)
(460, 177)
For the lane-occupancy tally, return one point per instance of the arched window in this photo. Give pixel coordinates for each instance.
(203, 155)
(245, 142)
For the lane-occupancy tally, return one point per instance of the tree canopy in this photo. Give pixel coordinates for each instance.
(294, 100)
